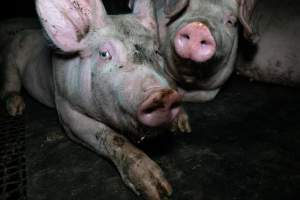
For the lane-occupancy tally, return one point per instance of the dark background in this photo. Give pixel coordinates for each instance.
(17, 8)
(26, 8)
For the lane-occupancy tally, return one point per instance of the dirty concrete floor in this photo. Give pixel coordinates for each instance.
(245, 145)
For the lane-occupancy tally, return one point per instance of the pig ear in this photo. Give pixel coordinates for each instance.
(67, 22)
(144, 12)
(174, 7)
(246, 8)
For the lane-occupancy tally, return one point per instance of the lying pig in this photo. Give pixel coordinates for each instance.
(199, 40)
(104, 78)
(276, 57)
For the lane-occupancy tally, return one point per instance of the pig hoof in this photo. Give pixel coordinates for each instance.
(181, 123)
(146, 178)
(15, 105)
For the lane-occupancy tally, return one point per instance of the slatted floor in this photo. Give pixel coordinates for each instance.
(244, 146)
(12, 158)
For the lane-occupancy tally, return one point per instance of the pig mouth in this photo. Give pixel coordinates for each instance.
(160, 108)
(189, 72)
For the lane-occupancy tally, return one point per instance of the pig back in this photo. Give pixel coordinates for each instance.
(10, 27)
(275, 59)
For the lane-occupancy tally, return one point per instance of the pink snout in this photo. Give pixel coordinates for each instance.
(194, 41)
(160, 108)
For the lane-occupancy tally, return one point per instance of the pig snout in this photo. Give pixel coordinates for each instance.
(159, 108)
(194, 41)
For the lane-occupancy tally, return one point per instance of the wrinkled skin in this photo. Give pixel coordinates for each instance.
(103, 76)
(199, 40)
(275, 59)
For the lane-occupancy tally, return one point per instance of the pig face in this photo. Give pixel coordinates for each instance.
(127, 78)
(199, 39)
(109, 66)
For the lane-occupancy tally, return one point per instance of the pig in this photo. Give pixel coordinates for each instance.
(275, 58)
(104, 77)
(199, 40)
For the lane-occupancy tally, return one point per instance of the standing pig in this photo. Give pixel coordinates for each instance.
(276, 57)
(199, 40)
(104, 77)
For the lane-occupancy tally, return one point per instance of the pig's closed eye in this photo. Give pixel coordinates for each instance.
(105, 55)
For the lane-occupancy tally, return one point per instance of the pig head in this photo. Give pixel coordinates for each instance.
(105, 77)
(199, 40)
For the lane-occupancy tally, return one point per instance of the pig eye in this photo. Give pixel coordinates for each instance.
(105, 55)
(231, 20)
(158, 52)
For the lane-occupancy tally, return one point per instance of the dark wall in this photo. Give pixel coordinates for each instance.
(116, 6)
(17, 8)
(26, 8)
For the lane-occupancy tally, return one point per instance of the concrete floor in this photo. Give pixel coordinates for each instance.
(244, 145)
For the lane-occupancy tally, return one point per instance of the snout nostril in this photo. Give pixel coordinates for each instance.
(159, 108)
(149, 110)
(155, 106)
(203, 42)
(176, 105)
(185, 36)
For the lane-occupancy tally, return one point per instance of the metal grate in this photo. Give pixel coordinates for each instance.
(12, 158)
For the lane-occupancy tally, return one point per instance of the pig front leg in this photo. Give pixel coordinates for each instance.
(10, 90)
(14, 103)
(137, 170)
(181, 123)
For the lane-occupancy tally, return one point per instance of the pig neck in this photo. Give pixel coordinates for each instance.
(72, 81)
